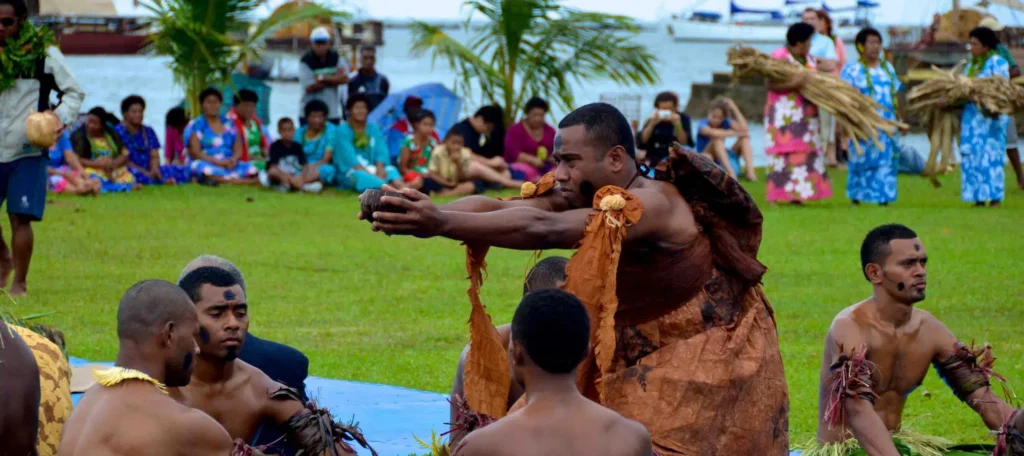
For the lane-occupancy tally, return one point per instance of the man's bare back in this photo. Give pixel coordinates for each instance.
(901, 356)
(241, 403)
(582, 427)
(136, 418)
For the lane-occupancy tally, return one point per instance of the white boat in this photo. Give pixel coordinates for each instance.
(764, 25)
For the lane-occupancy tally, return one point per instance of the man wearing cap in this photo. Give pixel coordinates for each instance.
(413, 104)
(321, 72)
(1011, 130)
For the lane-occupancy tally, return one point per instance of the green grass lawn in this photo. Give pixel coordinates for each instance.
(366, 307)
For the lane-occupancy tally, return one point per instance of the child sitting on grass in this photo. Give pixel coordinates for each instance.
(287, 166)
(65, 172)
(449, 170)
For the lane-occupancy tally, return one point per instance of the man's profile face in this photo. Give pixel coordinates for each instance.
(577, 170)
(9, 22)
(181, 363)
(903, 272)
(223, 321)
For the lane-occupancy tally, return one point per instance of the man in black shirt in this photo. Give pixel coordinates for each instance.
(367, 80)
(665, 126)
(484, 135)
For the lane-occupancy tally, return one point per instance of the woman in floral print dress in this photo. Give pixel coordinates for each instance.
(796, 166)
(872, 175)
(982, 136)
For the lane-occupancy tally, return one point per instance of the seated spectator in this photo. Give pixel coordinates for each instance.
(254, 138)
(214, 148)
(66, 174)
(367, 81)
(412, 105)
(726, 121)
(286, 167)
(450, 169)
(550, 338)
(174, 136)
(443, 167)
(362, 156)
(319, 140)
(482, 132)
(101, 152)
(529, 143)
(144, 147)
(414, 160)
(665, 127)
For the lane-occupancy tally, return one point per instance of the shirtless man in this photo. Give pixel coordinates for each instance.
(156, 331)
(686, 279)
(19, 396)
(547, 273)
(550, 337)
(237, 395)
(899, 343)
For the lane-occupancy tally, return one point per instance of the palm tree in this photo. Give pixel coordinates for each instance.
(208, 40)
(537, 48)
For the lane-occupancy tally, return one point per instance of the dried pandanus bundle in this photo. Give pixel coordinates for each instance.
(940, 100)
(855, 113)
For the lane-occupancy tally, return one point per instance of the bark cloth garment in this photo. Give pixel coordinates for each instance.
(684, 341)
(54, 388)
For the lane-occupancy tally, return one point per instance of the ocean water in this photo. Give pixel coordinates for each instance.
(108, 79)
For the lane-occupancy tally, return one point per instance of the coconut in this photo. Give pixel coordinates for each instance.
(371, 203)
(41, 129)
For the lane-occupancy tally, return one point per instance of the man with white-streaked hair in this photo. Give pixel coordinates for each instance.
(280, 362)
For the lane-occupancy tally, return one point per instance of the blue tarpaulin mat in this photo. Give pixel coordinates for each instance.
(388, 415)
(445, 105)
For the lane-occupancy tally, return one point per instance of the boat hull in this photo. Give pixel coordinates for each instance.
(89, 43)
(710, 32)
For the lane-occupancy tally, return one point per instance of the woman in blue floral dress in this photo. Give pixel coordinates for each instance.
(144, 147)
(982, 135)
(872, 174)
(214, 149)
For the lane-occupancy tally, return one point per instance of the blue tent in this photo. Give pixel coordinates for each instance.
(446, 106)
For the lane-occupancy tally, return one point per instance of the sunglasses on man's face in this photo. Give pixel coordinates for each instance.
(8, 21)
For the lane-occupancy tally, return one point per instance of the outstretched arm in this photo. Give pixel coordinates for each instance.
(845, 397)
(967, 373)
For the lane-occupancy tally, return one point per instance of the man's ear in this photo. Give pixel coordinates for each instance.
(617, 158)
(874, 272)
(167, 334)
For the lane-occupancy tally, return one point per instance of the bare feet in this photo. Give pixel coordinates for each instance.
(19, 289)
(6, 266)
(752, 176)
(995, 204)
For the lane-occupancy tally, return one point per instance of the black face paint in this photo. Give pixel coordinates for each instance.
(900, 286)
(187, 363)
(204, 335)
(917, 247)
(558, 142)
(229, 295)
(232, 354)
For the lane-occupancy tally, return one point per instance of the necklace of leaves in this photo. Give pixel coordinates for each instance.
(892, 80)
(977, 63)
(19, 54)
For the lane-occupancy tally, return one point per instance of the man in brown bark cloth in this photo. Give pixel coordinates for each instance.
(129, 412)
(879, 350)
(240, 397)
(683, 338)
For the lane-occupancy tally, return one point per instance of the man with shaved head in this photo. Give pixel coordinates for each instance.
(129, 412)
(280, 362)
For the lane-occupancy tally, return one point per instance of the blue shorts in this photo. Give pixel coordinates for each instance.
(23, 186)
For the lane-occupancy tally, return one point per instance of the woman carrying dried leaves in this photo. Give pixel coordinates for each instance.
(796, 166)
(982, 135)
(872, 175)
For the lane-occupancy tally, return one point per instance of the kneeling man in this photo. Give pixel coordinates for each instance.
(879, 350)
